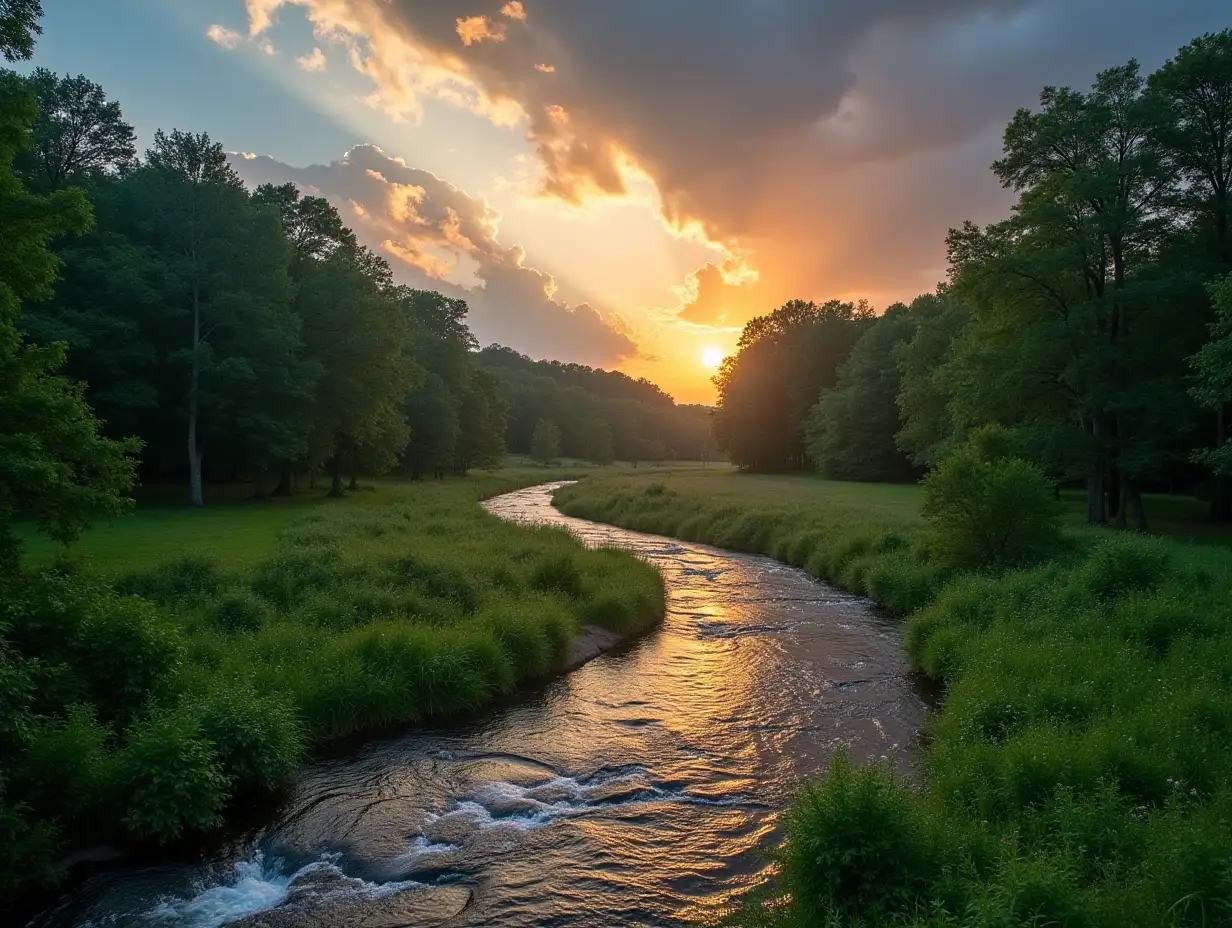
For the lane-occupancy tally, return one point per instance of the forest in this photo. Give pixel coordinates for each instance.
(1094, 323)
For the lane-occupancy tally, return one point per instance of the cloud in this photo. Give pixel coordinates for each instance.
(514, 10)
(474, 29)
(314, 61)
(224, 37)
(266, 47)
(439, 237)
(545, 68)
(711, 298)
(831, 143)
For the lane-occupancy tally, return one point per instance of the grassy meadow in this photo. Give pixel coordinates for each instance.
(194, 657)
(1079, 770)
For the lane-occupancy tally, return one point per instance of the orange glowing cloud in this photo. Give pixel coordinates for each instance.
(475, 29)
(514, 10)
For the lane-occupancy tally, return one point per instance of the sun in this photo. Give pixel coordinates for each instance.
(712, 358)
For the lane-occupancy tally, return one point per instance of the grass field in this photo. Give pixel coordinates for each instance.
(1079, 770)
(182, 658)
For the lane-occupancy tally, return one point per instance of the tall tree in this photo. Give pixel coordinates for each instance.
(1092, 207)
(78, 134)
(54, 465)
(1197, 87)
(545, 443)
(850, 430)
(925, 388)
(782, 363)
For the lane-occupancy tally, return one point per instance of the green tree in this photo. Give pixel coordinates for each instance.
(926, 389)
(1197, 87)
(78, 134)
(481, 441)
(850, 430)
(598, 442)
(195, 189)
(545, 443)
(432, 412)
(782, 363)
(54, 465)
(1066, 289)
(1212, 366)
(19, 24)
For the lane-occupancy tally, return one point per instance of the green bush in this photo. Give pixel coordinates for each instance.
(171, 779)
(1118, 567)
(67, 771)
(188, 577)
(238, 611)
(856, 848)
(258, 740)
(128, 655)
(989, 512)
(29, 847)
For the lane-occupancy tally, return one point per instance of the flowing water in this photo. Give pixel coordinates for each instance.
(641, 789)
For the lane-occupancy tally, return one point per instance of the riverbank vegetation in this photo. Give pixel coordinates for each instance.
(1079, 770)
(142, 702)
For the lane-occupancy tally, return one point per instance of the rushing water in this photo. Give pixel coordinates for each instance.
(641, 789)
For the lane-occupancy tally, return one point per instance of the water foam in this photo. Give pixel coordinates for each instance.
(258, 885)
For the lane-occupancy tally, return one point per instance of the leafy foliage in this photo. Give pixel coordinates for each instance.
(987, 509)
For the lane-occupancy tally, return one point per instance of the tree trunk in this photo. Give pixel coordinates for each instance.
(335, 485)
(261, 491)
(284, 481)
(354, 484)
(195, 495)
(1113, 486)
(1096, 513)
(1123, 494)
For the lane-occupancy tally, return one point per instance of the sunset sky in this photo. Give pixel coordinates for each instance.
(622, 183)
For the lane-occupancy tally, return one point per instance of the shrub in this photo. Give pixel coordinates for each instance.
(67, 772)
(258, 740)
(855, 847)
(1118, 567)
(28, 848)
(171, 779)
(988, 512)
(127, 654)
(238, 611)
(188, 577)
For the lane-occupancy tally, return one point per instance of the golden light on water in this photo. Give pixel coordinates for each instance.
(712, 357)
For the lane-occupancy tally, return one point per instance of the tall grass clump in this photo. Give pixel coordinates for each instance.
(140, 708)
(1079, 769)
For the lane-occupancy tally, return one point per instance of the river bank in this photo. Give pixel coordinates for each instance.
(1079, 771)
(172, 696)
(642, 788)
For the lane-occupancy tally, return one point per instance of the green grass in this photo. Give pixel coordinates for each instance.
(1079, 770)
(193, 657)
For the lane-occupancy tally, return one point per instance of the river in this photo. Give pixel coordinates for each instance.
(640, 789)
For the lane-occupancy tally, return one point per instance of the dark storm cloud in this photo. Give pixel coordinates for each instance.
(429, 229)
(836, 140)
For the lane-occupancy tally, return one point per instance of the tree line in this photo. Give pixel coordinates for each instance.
(246, 334)
(598, 415)
(1095, 323)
